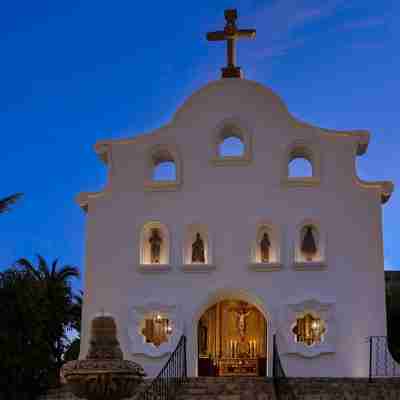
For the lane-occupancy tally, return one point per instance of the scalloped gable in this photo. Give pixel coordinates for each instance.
(199, 102)
(200, 105)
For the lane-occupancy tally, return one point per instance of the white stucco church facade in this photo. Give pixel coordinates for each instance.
(233, 249)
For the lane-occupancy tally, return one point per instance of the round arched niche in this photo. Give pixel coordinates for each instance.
(190, 236)
(145, 246)
(318, 260)
(274, 236)
(232, 127)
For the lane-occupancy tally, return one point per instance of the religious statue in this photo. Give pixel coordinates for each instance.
(242, 313)
(198, 250)
(264, 248)
(155, 246)
(308, 246)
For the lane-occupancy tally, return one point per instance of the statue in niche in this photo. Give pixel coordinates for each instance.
(308, 245)
(155, 246)
(198, 250)
(265, 244)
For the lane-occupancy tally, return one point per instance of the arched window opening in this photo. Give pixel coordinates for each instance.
(309, 330)
(164, 171)
(231, 146)
(309, 243)
(300, 167)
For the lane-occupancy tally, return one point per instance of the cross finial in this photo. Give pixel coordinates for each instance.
(231, 33)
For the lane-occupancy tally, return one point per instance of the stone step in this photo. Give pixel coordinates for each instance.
(227, 388)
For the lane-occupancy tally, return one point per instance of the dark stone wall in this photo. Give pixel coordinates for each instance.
(308, 389)
(343, 389)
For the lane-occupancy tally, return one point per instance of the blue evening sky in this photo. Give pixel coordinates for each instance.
(73, 72)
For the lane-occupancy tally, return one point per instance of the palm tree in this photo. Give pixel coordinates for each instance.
(26, 361)
(8, 201)
(72, 352)
(50, 276)
(76, 312)
(58, 304)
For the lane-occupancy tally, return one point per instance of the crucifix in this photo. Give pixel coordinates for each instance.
(231, 33)
(242, 312)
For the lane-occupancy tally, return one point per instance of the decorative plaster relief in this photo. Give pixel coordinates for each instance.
(297, 309)
(147, 310)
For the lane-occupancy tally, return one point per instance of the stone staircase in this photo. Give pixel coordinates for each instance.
(227, 388)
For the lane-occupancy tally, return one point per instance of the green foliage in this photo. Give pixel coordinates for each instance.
(37, 307)
(72, 353)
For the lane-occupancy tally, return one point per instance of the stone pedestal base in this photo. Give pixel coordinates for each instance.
(232, 72)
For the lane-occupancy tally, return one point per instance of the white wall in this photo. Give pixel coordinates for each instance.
(231, 200)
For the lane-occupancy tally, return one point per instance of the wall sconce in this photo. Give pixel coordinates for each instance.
(316, 326)
(158, 319)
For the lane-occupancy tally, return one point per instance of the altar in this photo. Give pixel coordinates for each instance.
(232, 340)
(238, 366)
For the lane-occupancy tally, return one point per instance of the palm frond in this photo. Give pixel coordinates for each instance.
(43, 267)
(54, 267)
(8, 201)
(67, 271)
(28, 267)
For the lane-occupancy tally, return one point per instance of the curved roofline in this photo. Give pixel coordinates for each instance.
(362, 136)
(219, 82)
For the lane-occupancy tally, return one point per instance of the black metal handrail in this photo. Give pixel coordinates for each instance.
(170, 378)
(381, 362)
(281, 383)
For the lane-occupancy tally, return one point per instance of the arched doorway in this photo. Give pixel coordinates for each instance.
(232, 340)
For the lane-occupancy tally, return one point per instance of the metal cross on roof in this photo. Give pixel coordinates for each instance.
(231, 33)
